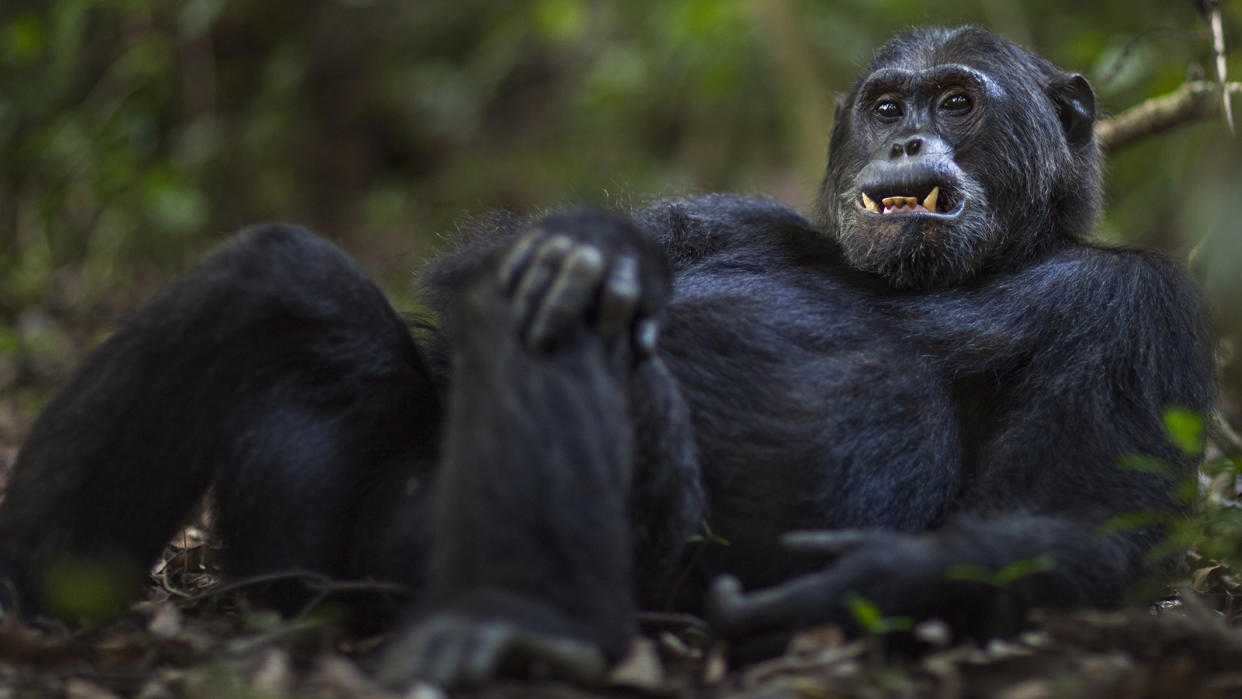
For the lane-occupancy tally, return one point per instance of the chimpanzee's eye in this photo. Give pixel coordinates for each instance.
(887, 109)
(957, 102)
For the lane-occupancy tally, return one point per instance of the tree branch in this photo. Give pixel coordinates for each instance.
(1193, 101)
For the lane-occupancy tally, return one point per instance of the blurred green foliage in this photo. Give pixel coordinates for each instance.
(870, 618)
(84, 590)
(136, 134)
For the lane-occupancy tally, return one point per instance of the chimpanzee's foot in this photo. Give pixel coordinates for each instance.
(481, 636)
(451, 650)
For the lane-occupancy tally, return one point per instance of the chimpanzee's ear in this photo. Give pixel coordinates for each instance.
(1075, 101)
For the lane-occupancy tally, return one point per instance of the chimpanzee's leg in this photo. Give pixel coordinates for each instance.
(275, 370)
(532, 560)
(340, 397)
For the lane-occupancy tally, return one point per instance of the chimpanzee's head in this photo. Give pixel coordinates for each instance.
(959, 152)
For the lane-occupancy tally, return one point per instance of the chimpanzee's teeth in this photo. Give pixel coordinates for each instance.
(901, 204)
(871, 205)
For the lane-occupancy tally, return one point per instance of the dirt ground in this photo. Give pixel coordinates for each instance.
(194, 636)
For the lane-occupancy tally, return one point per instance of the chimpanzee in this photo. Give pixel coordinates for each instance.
(935, 384)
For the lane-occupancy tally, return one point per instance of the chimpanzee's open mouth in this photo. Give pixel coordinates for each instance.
(896, 199)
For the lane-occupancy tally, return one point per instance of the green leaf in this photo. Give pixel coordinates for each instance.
(871, 618)
(10, 341)
(81, 589)
(1188, 491)
(970, 573)
(1185, 429)
(561, 20)
(23, 39)
(1217, 467)
(1133, 520)
(1144, 464)
(1023, 568)
(707, 535)
(865, 612)
(1005, 576)
(174, 205)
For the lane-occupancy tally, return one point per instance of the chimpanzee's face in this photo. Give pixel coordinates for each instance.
(955, 151)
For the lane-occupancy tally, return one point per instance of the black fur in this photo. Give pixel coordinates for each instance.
(950, 393)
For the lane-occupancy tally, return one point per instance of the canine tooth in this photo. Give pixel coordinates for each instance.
(932, 199)
(871, 205)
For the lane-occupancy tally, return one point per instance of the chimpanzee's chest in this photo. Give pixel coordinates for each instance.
(810, 410)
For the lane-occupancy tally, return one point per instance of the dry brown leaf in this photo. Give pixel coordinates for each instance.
(77, 688)
(274, 676)
(1200, 577)
(344, 678)
(165, 622)
(641, 668)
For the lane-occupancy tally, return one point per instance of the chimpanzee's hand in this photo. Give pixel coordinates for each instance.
(887, 569)
(584, 266)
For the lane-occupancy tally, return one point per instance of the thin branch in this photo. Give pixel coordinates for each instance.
(1224, 437)
(666, 620)
(1193, 101)
(318, 583)
(1218, 47)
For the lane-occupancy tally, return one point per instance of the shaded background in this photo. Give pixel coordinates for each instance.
(137, 134)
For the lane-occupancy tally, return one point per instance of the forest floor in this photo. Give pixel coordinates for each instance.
(193, 636)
